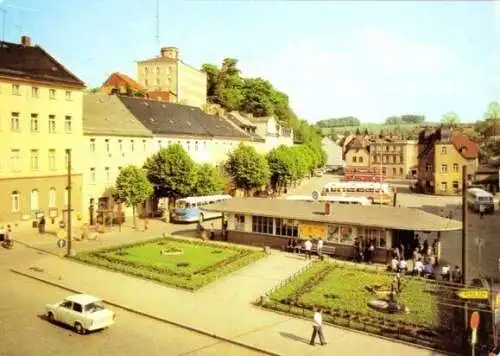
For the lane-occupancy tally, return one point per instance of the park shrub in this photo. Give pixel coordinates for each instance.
(106, 258)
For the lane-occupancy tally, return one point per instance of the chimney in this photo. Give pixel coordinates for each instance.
(328, 208)
(26, 41)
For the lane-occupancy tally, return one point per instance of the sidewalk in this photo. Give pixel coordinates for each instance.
(222, 308)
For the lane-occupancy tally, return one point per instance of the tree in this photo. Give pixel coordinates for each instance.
(247, 167)
(281, 166)
(450, 118)
(257, 94)
(358, 131)
(132, 188)
(172, 172)
(212, 73)
(493, 111)
(365, 132)
(209, 180)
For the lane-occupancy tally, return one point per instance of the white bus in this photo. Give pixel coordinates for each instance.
(477, 197)
(380, 193)
(332, 199)
(190, 209)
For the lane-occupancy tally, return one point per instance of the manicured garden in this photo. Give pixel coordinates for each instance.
(344, 293)
(181, 263)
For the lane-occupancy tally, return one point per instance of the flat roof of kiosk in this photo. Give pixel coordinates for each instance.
(388, 217)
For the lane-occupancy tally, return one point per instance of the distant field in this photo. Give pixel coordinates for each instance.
(372, 128)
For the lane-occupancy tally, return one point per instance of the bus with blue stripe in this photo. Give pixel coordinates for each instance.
(190, 209)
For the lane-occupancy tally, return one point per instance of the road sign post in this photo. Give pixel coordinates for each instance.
(474, 323)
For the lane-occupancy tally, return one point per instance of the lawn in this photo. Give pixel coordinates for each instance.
(180, 263)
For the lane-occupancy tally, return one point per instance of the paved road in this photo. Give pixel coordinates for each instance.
(23, 332)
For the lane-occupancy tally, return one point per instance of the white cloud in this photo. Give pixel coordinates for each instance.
(371, 74)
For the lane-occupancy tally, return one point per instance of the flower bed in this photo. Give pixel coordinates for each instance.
(342, 294)
(199, 263)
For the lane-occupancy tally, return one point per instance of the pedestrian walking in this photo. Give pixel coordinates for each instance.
(319, 248)
(317, 327)
(41, 225)
(307, 249)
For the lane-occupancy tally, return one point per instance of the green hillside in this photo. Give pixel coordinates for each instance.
(372, 128)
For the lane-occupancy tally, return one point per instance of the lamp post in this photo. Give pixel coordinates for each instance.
(68, 187)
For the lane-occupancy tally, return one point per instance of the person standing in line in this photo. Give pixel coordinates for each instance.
(308, 248)
(319, 247)
(317, 327)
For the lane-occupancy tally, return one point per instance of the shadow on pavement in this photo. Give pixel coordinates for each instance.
(294, 337)
(64, 326)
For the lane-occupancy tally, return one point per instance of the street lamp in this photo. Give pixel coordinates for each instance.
(69, 252)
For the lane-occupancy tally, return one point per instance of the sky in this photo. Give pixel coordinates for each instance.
(366, 59)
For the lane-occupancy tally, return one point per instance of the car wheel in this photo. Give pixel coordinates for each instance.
(79, 329)
(51, 318)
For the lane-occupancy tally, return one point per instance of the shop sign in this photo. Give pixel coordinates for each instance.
(307, 230)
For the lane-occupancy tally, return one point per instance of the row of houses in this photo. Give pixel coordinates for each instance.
(45, 111)
(435, 160)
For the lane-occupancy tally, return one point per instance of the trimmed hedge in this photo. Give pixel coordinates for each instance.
(191, 281)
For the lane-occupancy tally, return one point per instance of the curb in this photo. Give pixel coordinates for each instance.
(150, 316)
(35, 248)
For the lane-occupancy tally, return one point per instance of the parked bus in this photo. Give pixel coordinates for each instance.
(332, 199)
(378, 193)
(190, 209)
(477, 197)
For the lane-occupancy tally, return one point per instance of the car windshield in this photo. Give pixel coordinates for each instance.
(94, 307)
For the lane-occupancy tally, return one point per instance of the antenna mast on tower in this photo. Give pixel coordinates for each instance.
(157, 24)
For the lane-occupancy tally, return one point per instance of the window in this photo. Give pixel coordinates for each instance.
(239, 222)
(146, 70)
(428, 167)
(145, 82)
(444, 186)
(92, 175)
(52, 124)
(144, 145)
(360, 159)
(34, 201)
(34, 160)
(444, 168)
(68, 95)
(132, 147)
(455, 185)
(456, 167)
(107, 174)
(16, 89)
(106, 143)
(14, 121)
(401, 171)
(196, 146)
(120, 145)
(52, 197)
(92, 145)
(286, 227)
(15, 160)
(262, 224)
(52, 93)
(188, 144)
(77, 307)
(444, 150)
(394, 171)
(34, 123)
(67, 124)
(354, 159)
(159, 144)
(34, 92)
(205, 146)
(384, 170)
(15, 201)
(169, 142)
(157, 70)
(52, 159)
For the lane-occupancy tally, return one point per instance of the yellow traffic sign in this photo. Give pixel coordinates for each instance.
(473, 294)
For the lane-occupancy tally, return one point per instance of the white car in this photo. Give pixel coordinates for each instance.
(83, 312)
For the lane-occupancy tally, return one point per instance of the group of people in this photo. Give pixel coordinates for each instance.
(294, 246)
(423, 258)
(364, 250)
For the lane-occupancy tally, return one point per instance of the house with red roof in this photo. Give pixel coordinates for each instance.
(442, 153)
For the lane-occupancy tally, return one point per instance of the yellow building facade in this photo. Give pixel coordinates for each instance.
(442, 154)
(39, 120)
(396, 158)
(167, 73)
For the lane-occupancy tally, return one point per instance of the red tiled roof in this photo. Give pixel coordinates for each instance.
(159, 95)
(469, 149)
(118, 79)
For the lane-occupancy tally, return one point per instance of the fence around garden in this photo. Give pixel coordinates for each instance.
(451, 337)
